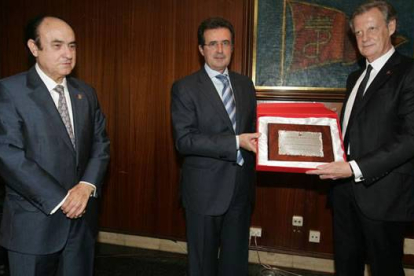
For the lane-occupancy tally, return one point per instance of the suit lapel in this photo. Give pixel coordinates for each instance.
(382, 77)
(41, 96)
(207, 87)
(79, 101)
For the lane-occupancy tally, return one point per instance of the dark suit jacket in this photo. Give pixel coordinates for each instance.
(205, 137)
(381, 137)
(39, 164)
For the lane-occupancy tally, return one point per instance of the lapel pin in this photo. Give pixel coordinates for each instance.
(79, 96)
(389, 72)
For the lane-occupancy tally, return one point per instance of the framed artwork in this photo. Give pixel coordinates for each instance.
(304, 49)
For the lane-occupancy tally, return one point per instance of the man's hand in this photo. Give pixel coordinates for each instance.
(334, 170)
(248, 141)
(75, 204)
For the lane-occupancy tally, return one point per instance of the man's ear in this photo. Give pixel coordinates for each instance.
(200, 48)
(31, 44)
(392, 26)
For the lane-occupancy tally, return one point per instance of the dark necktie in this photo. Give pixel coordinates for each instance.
(64, 113)
(362, 87)
(357, 102)
(230, 105)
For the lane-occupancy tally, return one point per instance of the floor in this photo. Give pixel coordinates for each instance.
(113, 260)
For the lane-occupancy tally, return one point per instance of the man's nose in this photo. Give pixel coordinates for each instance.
(220, 47)
(69, 52)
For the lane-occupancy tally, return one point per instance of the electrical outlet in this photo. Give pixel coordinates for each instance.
(297, 221)
(255, 232)
(314, 236)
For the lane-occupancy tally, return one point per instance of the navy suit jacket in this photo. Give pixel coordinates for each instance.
(39, 164)
(381, 137)
(204, 136)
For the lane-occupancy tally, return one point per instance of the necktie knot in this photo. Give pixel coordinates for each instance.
(363, 86)
(223, 79)
(369, 68)
(59, 89)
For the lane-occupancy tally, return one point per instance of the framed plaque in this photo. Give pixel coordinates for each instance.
(289, 142)
(297, 137)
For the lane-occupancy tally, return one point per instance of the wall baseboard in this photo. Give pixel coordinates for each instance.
(269, 258)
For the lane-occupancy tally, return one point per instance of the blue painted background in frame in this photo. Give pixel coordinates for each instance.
(314, 51)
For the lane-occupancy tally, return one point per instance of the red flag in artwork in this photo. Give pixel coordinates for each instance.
(320, 36)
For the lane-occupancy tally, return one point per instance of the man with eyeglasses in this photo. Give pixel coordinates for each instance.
(213, 115)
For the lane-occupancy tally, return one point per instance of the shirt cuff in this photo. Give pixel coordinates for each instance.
(93, 194)
(59, 205)
(358, 177)
(237, 142)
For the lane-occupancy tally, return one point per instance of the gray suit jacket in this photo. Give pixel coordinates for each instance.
(39, 164)
(204, 136)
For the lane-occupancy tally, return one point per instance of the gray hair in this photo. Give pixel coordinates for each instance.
(384, 7)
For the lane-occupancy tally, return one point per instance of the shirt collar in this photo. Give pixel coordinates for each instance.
(213, 73)
(50, 84)
(380, 62)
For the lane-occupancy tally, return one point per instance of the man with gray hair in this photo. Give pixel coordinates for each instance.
(373, 195)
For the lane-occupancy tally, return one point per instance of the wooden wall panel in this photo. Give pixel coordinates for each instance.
(281, 196)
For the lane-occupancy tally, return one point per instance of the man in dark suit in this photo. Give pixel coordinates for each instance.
(373, 197)
(213, 116)
(54, 152)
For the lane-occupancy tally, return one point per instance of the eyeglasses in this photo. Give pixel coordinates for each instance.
(215, 44)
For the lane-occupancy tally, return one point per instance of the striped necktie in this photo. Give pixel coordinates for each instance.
(64, 113)
(230, 105)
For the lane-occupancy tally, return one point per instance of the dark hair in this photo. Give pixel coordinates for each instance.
(385, 8)
(32, 28)
(213, 23)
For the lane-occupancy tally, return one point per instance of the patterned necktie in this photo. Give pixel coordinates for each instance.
(358, 100)
(64, 113)
(230, 105)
